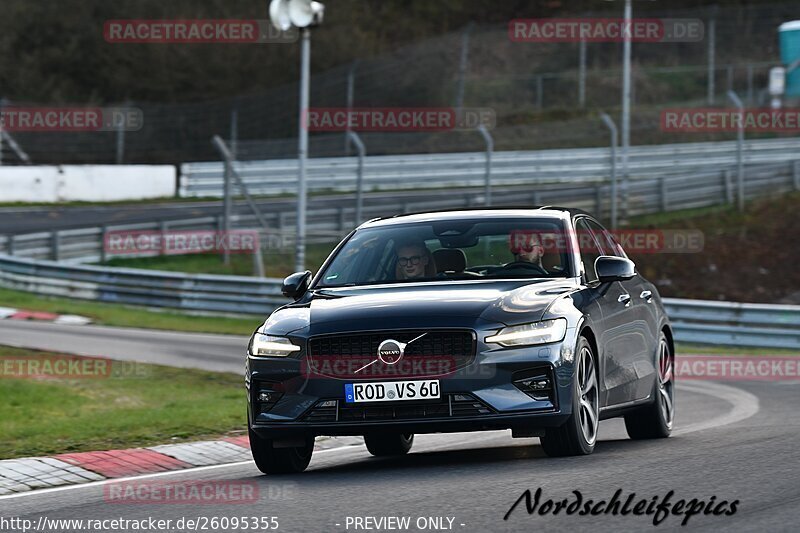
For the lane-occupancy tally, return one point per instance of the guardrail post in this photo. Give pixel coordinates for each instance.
(341, 218)
(664, 195)
(726, 177)
(163, 228)
(10, 244)
(796, 175)
(536, 199)
(54, 244)
(103, 253)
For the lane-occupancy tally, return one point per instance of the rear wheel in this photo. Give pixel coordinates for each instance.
(280, 460)
(579, 433)
(387, 444)
(654, 421)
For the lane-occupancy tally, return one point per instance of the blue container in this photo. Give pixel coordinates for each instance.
(789, 37)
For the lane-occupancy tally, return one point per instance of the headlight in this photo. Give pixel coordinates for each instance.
(268, 346)
(529, 334)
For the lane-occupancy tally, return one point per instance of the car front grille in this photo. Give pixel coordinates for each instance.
(449, 406)
(436, 353)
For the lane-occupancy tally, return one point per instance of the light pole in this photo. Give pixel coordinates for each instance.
(302, 14)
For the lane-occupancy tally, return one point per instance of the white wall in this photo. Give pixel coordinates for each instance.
(95, 183)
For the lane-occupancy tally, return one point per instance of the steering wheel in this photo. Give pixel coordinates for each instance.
(524, 265)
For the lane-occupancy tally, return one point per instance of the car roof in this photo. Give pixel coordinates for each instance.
(488, 212)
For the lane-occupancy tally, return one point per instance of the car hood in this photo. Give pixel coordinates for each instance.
(401, 305)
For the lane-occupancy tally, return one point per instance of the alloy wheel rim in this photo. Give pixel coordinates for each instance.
(587, 391)
(666, 384)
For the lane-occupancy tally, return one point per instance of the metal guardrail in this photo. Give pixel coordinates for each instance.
(697, 322)
(735, 324)
(426, 171)
(325, 224)
(174, 290)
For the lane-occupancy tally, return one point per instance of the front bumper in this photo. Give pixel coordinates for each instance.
(307, 405)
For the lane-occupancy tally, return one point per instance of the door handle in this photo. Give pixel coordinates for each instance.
(647, 295)
(624, 298)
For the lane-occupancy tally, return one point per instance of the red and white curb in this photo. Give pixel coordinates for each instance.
(22, 475)
(8, 313)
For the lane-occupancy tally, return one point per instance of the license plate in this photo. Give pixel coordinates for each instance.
(392, 391)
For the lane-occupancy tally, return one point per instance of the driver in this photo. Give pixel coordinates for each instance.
(528, 249)
(413, 259)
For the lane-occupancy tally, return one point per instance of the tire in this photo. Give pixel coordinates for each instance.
(655, 420)
(578, 435)
(389, 444)
(280, 460)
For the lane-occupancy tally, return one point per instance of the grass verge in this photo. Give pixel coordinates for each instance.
(128, 316)
(136, 405)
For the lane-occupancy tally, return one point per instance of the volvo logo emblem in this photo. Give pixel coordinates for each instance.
(391, 351)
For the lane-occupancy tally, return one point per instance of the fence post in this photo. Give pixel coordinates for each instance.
(54, 245)
(739, 149)
(712, 27)
(664, 195)
(613, 129)
(796, 175)
(258, 259)
(362, 152)
(598, 200)
(726, 177)
(10, 244)
(535, 199)
(487, 180)
(539, 92)
(341, 218)
(582, 74)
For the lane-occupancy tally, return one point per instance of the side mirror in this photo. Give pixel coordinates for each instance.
(610, 268)
(296, 285)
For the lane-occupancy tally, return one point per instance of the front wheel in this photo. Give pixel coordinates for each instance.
(579, 433)
(654, 421)
(280, 460)
(388, 444)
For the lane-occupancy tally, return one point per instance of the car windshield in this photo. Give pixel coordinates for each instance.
(451, 249)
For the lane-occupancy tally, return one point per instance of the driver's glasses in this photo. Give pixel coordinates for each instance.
(413, 260)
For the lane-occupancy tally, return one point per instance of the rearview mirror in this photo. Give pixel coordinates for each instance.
(610, 268)
(296, 285)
